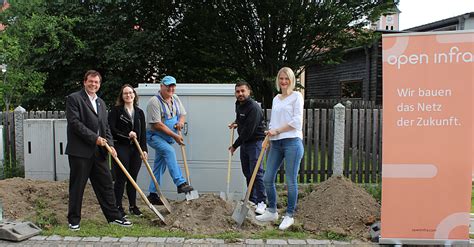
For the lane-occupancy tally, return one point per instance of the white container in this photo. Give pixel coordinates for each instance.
(210, 108)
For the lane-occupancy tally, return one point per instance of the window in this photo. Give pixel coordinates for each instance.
(351, 89)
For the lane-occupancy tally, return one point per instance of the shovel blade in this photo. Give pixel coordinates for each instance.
(230, 196)
(240, 213)
(157, 213)
(222, 195)
(192, 195)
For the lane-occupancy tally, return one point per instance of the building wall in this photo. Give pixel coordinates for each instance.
(376, 73)
(469, 23)
(324, 81)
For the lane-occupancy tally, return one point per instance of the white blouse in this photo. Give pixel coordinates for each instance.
(288, 111)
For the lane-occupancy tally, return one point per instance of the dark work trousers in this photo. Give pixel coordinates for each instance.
(249, 152)
(130, 158)
(97, 170)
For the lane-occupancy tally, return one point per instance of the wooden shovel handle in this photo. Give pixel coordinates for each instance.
(185, 160)
(255, 170)
(230, 154)
(148, 168)
(135, 185)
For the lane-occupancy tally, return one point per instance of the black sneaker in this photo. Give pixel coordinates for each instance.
(122, 212)
(184, 188)
(134, 210)
(74, 227)
(121, 222)
(154, 199)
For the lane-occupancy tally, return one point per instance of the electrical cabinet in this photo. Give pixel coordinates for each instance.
(210, 108)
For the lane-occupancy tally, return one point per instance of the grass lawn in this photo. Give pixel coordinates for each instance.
(472, 209)
(472, 200)
(143, 227)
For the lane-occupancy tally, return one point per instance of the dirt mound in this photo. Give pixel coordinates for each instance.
(336, 205)
(339, 206)
(208, 214)
(22, 197)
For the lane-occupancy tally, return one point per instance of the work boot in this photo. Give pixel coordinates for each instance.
(134, 210)
(154, 199)
(184, 188)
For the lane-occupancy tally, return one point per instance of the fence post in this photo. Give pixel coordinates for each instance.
(338, 157)
(19, 148)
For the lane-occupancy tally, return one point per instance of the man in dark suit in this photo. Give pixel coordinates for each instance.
(87, 134)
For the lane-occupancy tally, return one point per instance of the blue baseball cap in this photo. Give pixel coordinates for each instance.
(168, 80)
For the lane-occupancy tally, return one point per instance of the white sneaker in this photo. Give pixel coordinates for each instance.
(267, 216)
(74, 227)
(287, 222)
(261, 206)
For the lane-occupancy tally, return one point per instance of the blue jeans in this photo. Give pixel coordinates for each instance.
(291, 150)
(248, 157)
(165, 156)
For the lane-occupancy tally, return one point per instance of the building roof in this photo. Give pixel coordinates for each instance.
(440, 24)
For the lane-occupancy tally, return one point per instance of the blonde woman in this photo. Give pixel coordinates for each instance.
(286, 136)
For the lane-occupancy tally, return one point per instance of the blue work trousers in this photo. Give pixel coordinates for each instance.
(165, 157)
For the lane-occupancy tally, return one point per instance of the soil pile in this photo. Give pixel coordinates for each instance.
(22, 197)
(340, 206)
(208, 214)
(336, 205)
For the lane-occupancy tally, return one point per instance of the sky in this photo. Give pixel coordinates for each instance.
(420, 12)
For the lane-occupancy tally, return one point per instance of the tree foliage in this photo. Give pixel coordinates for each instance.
(18, 47)
(261, 36)
(55, 42)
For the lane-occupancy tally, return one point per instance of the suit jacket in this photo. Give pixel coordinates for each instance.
(121, 124)
(84, 126)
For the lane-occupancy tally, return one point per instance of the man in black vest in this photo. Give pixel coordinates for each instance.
(87, 133)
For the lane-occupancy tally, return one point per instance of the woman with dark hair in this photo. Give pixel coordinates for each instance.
(127, 121)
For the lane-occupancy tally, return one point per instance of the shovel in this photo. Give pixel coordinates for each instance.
(135, 185)
(192, 194)
(160, 194)
(228, 196)
(241, 209)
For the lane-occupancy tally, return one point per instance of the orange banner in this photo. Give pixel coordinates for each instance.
(427, 137)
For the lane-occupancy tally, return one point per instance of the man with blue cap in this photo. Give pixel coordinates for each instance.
(165, 115)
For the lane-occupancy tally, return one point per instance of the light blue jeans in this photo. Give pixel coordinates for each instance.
(165, 156)
(291, 150)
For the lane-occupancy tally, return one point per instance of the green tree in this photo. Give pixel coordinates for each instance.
(26, 45)
(253, 39)
(48, 45)
(123, 40)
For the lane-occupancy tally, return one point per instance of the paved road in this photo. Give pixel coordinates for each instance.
(50, 241)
